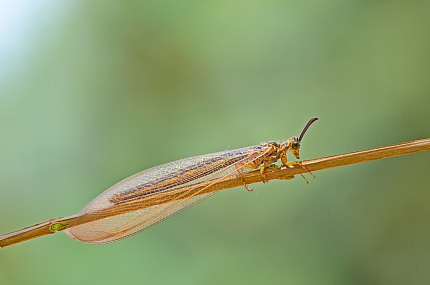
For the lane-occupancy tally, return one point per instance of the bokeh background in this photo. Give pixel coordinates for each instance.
(94, 91)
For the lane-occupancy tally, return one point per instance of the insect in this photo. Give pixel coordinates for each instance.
(155, 194)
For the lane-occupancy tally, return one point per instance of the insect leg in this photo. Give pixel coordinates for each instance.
(239, 171)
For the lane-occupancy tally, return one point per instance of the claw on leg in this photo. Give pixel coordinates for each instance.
(247, 188)
(302, 166)
(307, 182)
(243, 181)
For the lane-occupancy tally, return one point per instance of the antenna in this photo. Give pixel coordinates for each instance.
(307, 127)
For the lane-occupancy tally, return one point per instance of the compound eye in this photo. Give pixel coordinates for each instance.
(295, 145)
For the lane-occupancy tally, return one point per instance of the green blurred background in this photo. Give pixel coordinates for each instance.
(92, 92)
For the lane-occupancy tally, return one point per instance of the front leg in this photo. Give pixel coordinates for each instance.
(284, 160)
(263, 169)
(298, 163)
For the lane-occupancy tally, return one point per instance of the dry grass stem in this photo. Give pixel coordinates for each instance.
(313, 165)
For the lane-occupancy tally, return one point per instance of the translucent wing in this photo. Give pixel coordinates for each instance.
(165, 189)
(114, 228)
